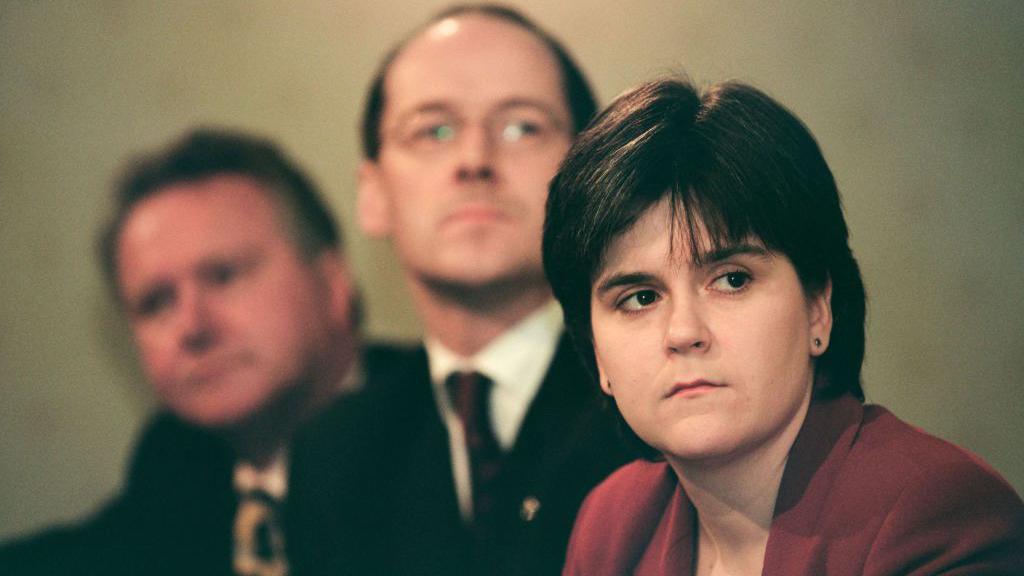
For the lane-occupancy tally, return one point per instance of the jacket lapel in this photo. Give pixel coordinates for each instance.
(817, 454)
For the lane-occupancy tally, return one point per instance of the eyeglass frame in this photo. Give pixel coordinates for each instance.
(415, 131)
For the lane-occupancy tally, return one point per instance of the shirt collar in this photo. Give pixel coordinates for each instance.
(516, 361)
(272, 479)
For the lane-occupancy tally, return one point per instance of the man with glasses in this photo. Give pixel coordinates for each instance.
(465, 124)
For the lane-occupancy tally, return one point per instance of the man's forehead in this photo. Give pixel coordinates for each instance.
(473, 62)
(187, 222)
(212, 197)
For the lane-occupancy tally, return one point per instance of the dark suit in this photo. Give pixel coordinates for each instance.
(173, 517)
(863, 493)
(176, 513)
(343, 467)
(566, 445)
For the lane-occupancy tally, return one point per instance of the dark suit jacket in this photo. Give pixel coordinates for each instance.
(344, 466)
(407, 502)
(863, 493)
(174, 515)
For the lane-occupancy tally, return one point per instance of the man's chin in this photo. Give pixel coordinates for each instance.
(219, 415)
(484, 277)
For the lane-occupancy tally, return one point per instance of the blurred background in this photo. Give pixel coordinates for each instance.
(918, 106)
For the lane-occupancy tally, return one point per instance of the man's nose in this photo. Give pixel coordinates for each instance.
(475, 150)
(196, 329)
(687, 331)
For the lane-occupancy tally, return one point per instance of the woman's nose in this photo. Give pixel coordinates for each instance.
(687, 330)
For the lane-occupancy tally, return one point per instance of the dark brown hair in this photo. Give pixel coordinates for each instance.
(208, 152)
(731, 159)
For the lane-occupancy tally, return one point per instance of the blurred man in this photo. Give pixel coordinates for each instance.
(228, 267)
(465, 124)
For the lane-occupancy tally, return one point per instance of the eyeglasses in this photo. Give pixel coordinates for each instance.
(510, 129)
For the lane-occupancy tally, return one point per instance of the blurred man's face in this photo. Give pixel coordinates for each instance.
(231, 322)
(474, 126)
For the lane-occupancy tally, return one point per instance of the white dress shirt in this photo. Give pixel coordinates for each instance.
(272, 479)
(516, 363)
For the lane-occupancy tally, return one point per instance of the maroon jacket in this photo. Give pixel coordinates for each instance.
(862, 493)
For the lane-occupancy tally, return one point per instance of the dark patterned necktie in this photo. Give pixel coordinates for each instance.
(259, 542)
(470, 394)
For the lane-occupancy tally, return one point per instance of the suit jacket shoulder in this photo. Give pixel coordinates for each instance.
(346, 464)
(173, 515)
(402, 490)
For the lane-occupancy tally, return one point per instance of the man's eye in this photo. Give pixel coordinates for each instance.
(223, 274)
(516, 130)
(438, 132)
(731, 281)
(638, 300)
(154, 302)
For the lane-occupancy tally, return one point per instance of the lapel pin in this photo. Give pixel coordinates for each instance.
(529, 508)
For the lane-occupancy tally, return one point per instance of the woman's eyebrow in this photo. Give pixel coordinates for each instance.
(622, 279)
(709, 258)
(715, 256)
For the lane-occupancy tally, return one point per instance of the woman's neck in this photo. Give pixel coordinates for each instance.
(735, 502)
(734, 521)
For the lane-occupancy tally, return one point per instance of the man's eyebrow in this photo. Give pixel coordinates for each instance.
(429, 107)
(146, 288)
(545, 108)
(524, 101)
(442, 107)
(623, 279)
(243, 254)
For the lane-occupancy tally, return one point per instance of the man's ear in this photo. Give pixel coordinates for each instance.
(373, 205)
(342, 293)
(820, 315)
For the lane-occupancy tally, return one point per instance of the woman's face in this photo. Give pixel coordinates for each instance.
(707, 362)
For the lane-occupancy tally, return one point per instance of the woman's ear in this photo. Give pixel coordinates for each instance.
(820, 315)
(606, 384)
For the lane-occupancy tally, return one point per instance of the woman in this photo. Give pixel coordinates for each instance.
(697, 244)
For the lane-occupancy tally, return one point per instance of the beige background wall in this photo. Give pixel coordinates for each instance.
(919, 108)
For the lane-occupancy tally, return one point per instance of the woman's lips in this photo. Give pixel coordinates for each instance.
(692, 387)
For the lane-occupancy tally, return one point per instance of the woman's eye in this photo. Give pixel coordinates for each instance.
(638, 300)
(731, 281)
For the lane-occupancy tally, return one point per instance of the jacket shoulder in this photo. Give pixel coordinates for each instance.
(902, 458)
(938, 506)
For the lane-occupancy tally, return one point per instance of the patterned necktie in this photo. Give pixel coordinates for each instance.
(259, 543)
(470, 394)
